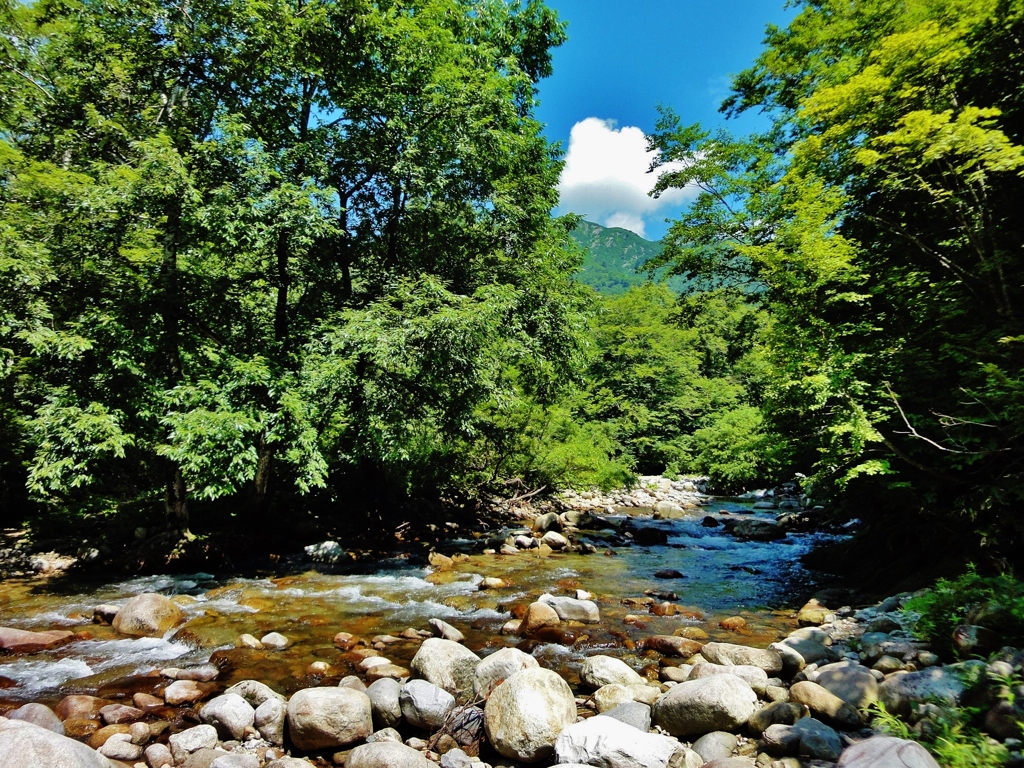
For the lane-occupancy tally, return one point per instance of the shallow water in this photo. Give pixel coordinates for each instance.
(762, 582)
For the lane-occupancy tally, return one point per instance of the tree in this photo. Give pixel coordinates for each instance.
(263, 232)
(884, 241)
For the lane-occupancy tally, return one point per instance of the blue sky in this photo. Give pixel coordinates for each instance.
(622, 59)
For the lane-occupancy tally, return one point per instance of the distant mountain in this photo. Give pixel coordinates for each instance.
(613, 256)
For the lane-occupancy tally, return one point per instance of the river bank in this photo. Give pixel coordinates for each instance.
(676, 600)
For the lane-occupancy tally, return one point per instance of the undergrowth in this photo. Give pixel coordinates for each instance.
(947, 735)
(995, 602)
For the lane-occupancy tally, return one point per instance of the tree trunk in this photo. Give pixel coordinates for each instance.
(176, 492)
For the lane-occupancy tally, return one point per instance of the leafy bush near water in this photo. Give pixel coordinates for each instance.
(995, 602)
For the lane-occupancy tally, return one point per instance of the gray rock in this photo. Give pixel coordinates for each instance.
(147, 615)
(326, 552)
(289, 762)
(547, 522)
(886, 752)
(237, 760)
(634, 713)
(755, 677)
(456, 758)
(605, 670)
(203, 758)
(729, 653)
(554, 540)
(158, 756)
(780, 739)
(447, 665)
(191, 740)
(446, 631)
(269, 720)
(275, 641)
(759, 530)
(385, 734)
(571, 609)
(497, 667)
(524, 715)
(38, 714)
(325, 718)
(715, 745)
(230, 714)
(425, 705)
(610, 696)
(776, 713)
(817, 740)
(731, 762)
(386, 754)
(850, 681)
(119, 747)
(384, 703)
(467, 726)
(696, 707)
(608, 742)
(254, 692)
(900, 693)
(823, 704)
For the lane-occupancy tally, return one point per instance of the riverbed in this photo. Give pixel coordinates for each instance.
(761, 582)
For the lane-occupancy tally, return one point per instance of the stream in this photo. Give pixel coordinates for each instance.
(762, 582)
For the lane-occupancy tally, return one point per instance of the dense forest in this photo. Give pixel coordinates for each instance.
(262, 260)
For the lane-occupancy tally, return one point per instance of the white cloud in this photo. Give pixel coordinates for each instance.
(605, 178)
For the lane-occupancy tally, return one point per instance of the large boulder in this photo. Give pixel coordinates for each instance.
(498, 667)
(325, 718)
(254, 692)
(384, 702)
(608, 742)
(597, 671)
(824, 704)
(730, 654)
(26, 745)
(447, 665)
(269, 718)
(755, 677)
(425, 705)
(230, 714)
(386, 754)
(715, 745)
(190, 741)
(850, 681)
(696, 707)
(886, 752)
(525, 714)
(900, 693)
(759, 530)
(38, 714)
(147, 615)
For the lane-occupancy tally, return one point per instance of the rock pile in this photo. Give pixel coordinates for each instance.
(799, 703)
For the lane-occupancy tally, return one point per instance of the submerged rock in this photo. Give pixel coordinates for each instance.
(147, 615)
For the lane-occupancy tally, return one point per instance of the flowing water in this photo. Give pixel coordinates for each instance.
(761, 582)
